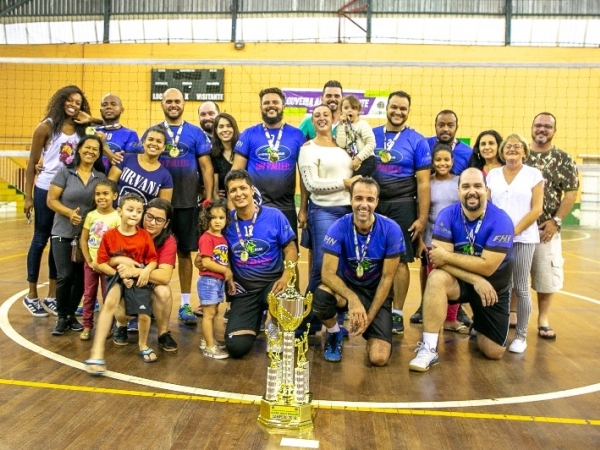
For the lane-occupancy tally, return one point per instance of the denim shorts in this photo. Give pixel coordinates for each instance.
(211, 290)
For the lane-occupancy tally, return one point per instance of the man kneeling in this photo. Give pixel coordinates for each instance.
(471, 247)
(361, 254)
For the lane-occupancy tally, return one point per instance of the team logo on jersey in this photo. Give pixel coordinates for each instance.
(388, 156)
(221, 255)
(171, 151)
(254, 247)
(267, 153)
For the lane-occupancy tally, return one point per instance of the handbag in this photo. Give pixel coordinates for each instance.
(76, 253)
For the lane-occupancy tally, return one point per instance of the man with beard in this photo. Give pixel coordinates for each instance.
(362, 251)
(403, 171)
(187, 149)
(207, 112)
(118, 138)
(560, 190)
(446, 126)
(332, 97)
(269, 152)
(471, 247)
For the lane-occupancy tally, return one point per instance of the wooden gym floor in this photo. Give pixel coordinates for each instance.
(546, 398)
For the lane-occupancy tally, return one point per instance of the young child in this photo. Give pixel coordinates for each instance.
(99, 220)
(135, 243)
(358, 139)
(444, 192)
(213, 262)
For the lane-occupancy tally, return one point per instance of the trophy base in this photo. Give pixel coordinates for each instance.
(280, 418)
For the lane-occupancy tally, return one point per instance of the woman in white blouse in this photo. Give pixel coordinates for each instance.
(519, 190)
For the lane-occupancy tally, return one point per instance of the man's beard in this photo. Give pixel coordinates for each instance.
(272, 120)
(469, 207)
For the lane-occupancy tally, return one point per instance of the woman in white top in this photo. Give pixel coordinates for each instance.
(54, 141)
(326, 171)
(519, 190)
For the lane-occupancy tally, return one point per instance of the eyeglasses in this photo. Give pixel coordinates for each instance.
(511, 146)
(158, 220)
(544, 126)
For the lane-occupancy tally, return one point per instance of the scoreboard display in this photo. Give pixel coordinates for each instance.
(195, 84)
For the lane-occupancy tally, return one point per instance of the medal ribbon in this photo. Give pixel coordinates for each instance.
(389, 143)
(364, 247)
(273, 143)
(472, 236)
(174, 138)
(244, 243)
(351, 148)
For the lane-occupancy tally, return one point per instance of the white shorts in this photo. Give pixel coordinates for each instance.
(547, 273)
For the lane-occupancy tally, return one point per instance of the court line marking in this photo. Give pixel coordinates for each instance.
(7, 328)
(575, 255)
(583, 238)
(414, 412)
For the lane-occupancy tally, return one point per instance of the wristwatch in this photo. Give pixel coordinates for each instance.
(558, 221)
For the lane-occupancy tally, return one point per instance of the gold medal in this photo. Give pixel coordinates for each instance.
(273, 156)
(385, 157)
(173, 151)
(244, 256)
(360, 271)
(471, 249)
(90, 131)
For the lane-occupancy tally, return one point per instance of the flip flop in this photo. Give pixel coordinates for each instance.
(546, 330)
(461, 329)
(147, 352)
(95, 362)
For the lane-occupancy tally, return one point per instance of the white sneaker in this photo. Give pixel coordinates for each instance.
(426, 358)
(215, 352)
(219, 344)
(518, 345)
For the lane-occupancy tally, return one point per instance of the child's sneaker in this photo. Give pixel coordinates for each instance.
(34, 307)
(97, 306)
(186, 315)
(132, 325)
(79, 311)
(219, 344)
(50, 306)
(215, 352)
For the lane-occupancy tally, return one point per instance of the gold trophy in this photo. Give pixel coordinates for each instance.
(287, 403)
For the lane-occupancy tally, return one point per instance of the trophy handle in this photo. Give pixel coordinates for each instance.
(307, 304)
(272, 300)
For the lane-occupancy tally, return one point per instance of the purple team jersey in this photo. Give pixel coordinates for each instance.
(268, 237)
(495, 235)
(461, 154)
(134, 178)
(120, 140)
(386, 242)
(182, 163)
(408, 154)
(276, 181)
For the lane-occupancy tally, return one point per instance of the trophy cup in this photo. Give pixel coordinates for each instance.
(287, 403)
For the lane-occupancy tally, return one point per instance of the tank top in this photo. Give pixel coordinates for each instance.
(59, 151)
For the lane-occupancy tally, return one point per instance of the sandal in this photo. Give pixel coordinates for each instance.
(460, 328)
(86, 334)
(146, 355)
(546, 330)
(95, 362)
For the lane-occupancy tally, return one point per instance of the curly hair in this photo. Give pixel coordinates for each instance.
(56, 109)
(206, 214)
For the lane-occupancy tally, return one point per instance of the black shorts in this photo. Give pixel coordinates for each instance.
(491, 321)
(404, 213)
(246, 310)
(381, 328)
(292, 216)
(185, 228)
(138, 300)
(306, 239)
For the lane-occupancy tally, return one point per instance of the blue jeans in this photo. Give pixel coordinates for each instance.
(320, 218)
(69, 282)
(43, 220)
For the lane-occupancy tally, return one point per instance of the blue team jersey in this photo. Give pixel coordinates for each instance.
(182, 163)
(276, 181)
(134, 178)
(120, 140)
(409, 153)
(460, 154)
(386, 242)
(495, 235)
(268, 237)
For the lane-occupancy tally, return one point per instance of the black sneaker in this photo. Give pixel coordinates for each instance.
(463, 317)
(397, 323)
(74, 324)
(120, 336)
(62, 325)
(417, 317)
(167, 343)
